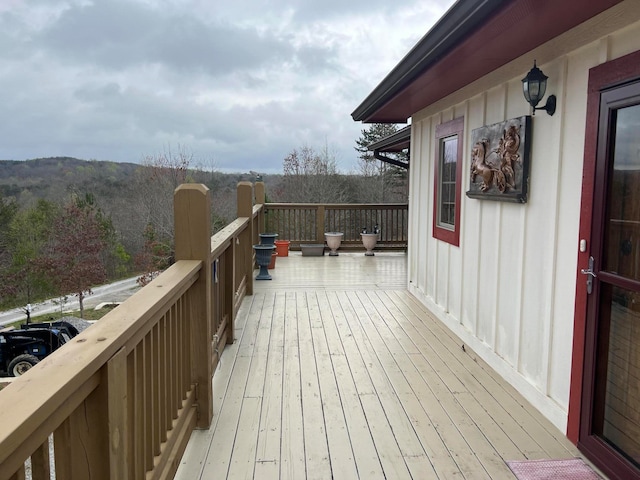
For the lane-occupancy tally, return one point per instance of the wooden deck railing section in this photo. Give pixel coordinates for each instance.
(121, 399)
(306, 223)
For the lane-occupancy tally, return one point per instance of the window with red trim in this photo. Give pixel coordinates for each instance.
(448, 181)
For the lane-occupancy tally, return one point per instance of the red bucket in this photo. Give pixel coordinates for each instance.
(272, 263)
(282, 247)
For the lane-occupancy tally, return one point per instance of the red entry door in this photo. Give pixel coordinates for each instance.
(610, 423)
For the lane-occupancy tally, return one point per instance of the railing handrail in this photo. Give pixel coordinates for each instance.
(220, 241)
(338, 206)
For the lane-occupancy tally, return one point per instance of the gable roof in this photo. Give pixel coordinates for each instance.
(472, 39)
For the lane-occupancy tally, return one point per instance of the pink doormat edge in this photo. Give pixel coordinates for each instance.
(566, 469)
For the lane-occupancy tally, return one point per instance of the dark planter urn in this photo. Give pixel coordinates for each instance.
(263, 258)
(267, 238)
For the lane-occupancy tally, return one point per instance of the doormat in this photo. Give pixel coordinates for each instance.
(570, 469)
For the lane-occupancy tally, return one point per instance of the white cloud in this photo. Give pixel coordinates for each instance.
(241, 84)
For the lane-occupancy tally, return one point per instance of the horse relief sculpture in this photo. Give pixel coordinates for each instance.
(480, 167)
(499, 161)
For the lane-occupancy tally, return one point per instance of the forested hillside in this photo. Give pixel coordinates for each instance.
(68, 224)
(117, 216)
(52, 178)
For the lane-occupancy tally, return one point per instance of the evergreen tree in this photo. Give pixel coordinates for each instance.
(383, 182)
(8, 210)
(23, 281)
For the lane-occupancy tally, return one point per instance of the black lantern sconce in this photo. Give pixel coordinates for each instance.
(534, 86)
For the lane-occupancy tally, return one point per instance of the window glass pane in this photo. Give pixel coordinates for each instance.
(451, 198)
(449, 217)
(449, 157)
(446, 193)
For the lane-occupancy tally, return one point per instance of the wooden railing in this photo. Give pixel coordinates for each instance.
(306, 223)
(120, 400)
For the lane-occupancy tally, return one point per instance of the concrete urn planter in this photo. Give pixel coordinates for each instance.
(333, 240)
(369, 241)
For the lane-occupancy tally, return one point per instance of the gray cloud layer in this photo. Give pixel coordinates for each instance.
(238, 85)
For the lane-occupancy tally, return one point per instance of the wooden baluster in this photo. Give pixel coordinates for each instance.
(19, 475)
(156, 393)
(117, 404)
(172, 348)
(147, 372)
(62, 450)
(165, 367)
(320, 224)
(88, 432)
(229, 294)
(130, 430)
(41, 462)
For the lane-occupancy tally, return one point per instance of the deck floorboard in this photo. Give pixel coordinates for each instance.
(338, 372)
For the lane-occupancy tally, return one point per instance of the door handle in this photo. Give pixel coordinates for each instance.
(588, 271)
(590, 274)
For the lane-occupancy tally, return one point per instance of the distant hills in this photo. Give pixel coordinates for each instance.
(53, 178)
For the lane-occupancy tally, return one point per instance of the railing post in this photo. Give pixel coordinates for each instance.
(192, 223)
(260, 194)
(320, 224)
(260, 199)
(245, 249)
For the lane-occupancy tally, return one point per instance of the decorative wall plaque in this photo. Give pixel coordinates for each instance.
(500, 161)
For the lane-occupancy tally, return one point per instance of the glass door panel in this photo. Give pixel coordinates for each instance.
(622, 228)
(617, 403)
(616, 393)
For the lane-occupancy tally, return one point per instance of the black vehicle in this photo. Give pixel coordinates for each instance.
(22, 348)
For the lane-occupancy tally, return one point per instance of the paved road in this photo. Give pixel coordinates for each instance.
(113, 292)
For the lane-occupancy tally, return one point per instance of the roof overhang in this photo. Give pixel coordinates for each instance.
(471, 40)
(396, 142)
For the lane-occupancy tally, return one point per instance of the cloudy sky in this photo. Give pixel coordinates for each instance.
(237, 84)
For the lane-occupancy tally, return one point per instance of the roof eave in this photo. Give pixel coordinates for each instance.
(461, 19)
(395, 142)
(484, 37)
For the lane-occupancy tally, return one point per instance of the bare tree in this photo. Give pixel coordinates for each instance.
(155, 184)
(311, 176)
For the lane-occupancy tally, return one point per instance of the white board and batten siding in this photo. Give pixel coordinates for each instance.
(508, 290)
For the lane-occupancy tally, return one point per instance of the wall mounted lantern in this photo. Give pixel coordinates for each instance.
(534, 86)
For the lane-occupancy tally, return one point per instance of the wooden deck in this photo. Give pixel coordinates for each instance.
(338, 372)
